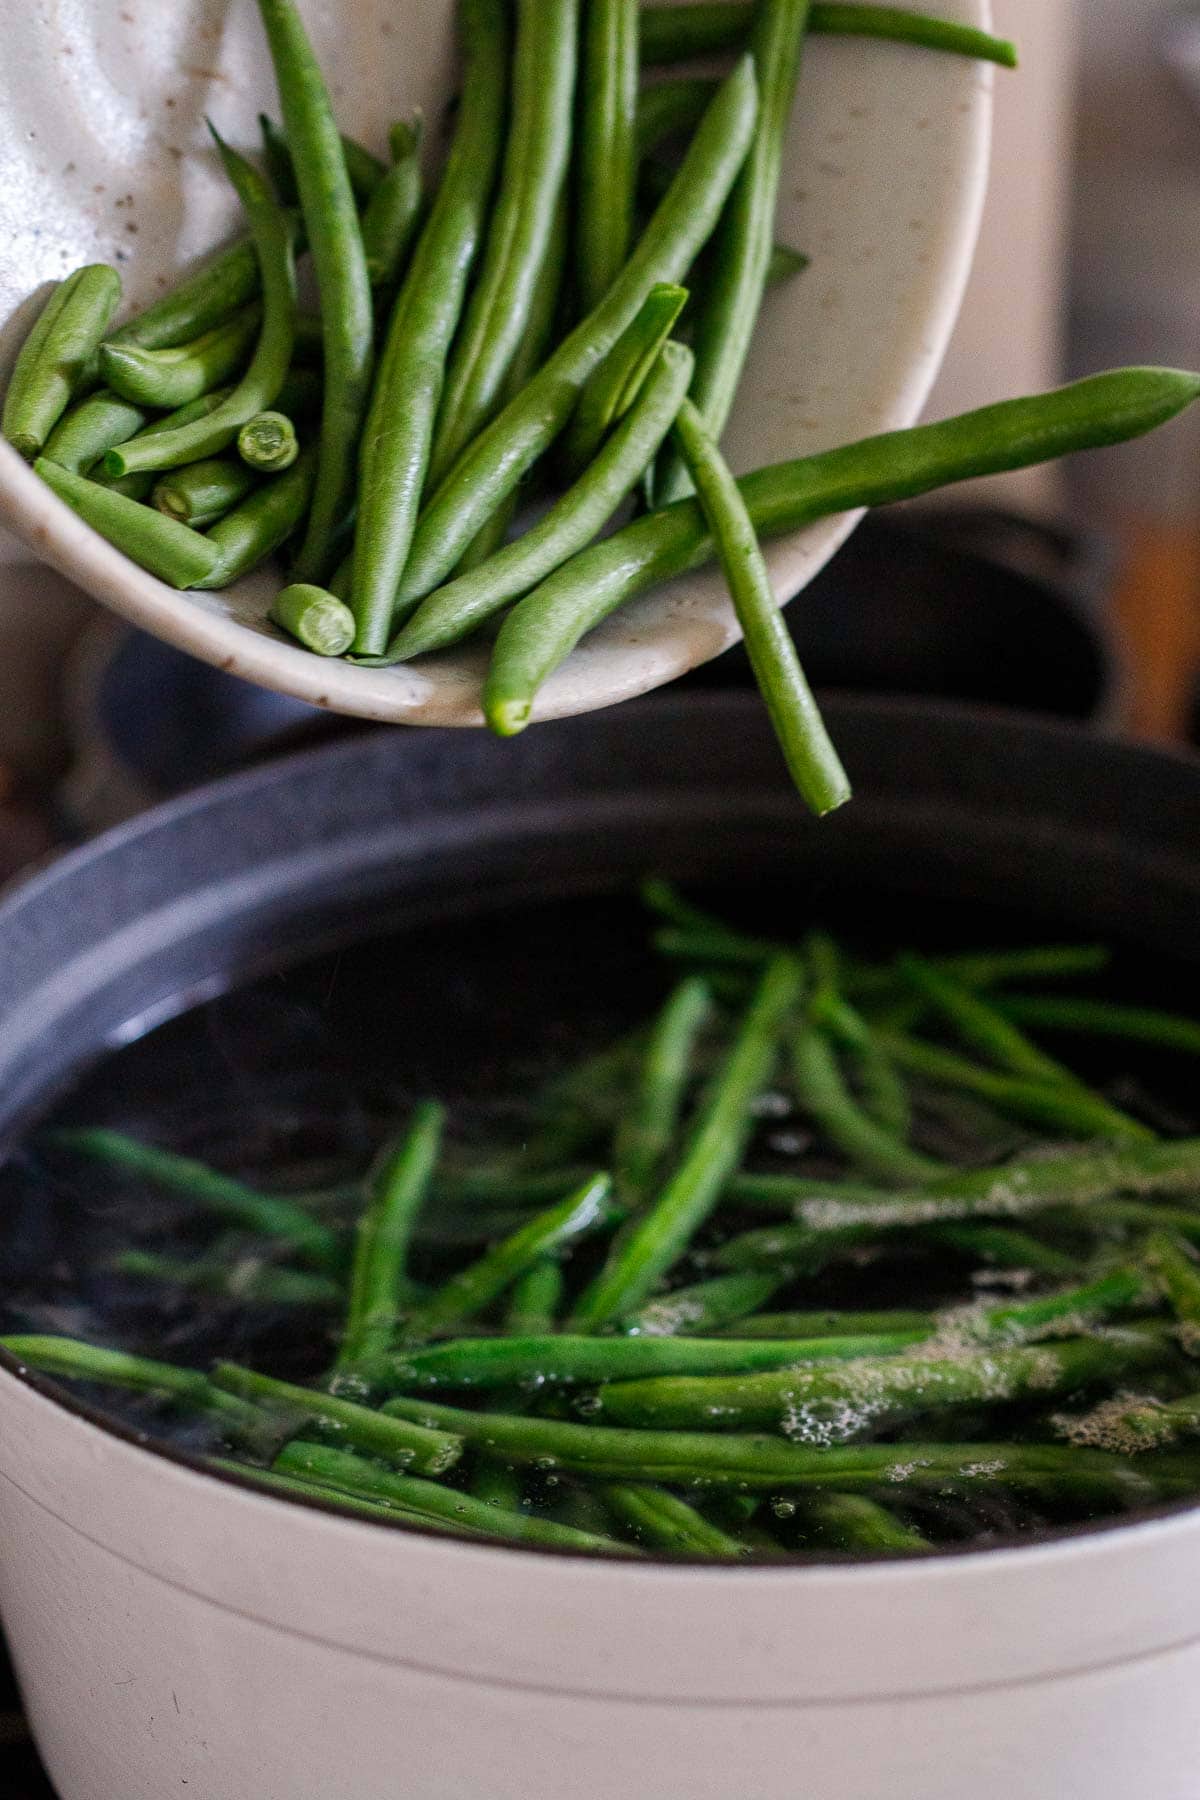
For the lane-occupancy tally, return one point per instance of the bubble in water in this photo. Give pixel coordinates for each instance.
(784, 1509)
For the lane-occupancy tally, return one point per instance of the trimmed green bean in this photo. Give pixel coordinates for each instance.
(71, 1360)
(590, 1208)
(335, 239)
(716, 1145)
(394, 458)
(248, 1280)
(1101, 1018)
(364, 171)
(262, 524)
(1119, 1291)
(451, 612)
(979, 1025)
(174, 376)
(268, 442)
(56, 355)
(1102, 409)
(379, 1274)
(272, 1215)
(787, 1193)
(141, 485)
(646, 1132)
(678, 33)
(392, 213)
(290, 1487)
(607, 155)
(663, 1521)
(726, 314)
(82, 435)
(519, 235)
(314, 617)
(832, 1324)
(343, 1472)
(824, 1096)
(405, 1445)
(219, 289)
(1062, 1108)
(812, 761)
(174, 552)
(565, 1360)
(854, 1523)
(831, 1403)
(999, 1247)
(204, 491)
(272, 231)
(615, 384)
(494, 464)
(708, 1306)
(756, 1463)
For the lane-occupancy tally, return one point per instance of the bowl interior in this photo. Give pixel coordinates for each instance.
(106, 156)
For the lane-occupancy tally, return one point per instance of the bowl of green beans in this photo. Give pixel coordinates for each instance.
(514, 1247)
(526, 235)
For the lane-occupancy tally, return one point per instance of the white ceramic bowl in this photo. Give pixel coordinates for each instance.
(102, 142)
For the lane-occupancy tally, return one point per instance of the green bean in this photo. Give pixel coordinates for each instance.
(263, 523)
(497, 1485)
(707, 1306)
(141, 485)
(74, 1361)
(222, 287)
(399, 432)
(1102, 1018)
(979, 1025)
(271, 1215)
(331, 218)
(726, 315)
(1174, 1268)
(494, 464)
(788, 1193)
(755, 1463)
(535, 1300)
(174, 552)
(884, 1095)
(833, 1324)
(1002, 1248)
(82, 435)
(716, 1144)
(343, 1472)
(172, 377)
(1102, 409)
(407, 1446)
(607, 154)
(272, 231)
(248, 1279)
(678, 33)
(314, 617)
(589, 1208)
(204, 491)
(451, 612)
(379, 1274)
(1069, 1109)
(56, 355)
(268, 442)
(563, 1360)
(645, 1134)
(289, 1487)
(364, 171)
(1116, 1292)
(853, 1523)
(663, 1521)
(812, 761)
(519, 236)
(993, 968)
(823, 1096)
(615, 383)
(392, 213)
(824, 1404)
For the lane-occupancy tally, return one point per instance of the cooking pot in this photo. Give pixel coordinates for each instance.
(178, 1632)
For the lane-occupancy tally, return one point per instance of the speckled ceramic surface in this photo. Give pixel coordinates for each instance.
(105, 157)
